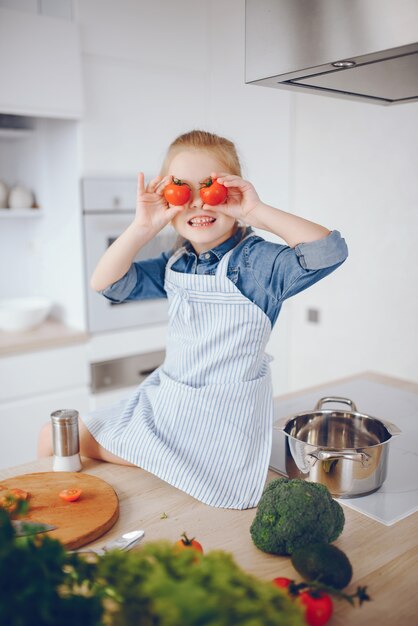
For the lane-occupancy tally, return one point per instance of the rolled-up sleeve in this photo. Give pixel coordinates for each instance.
(144, 280)
(278, 272)
(120, 290)
(326, 252)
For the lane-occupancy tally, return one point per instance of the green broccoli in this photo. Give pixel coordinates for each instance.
(293, 513)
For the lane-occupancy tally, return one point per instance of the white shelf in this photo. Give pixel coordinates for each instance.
(12, 213)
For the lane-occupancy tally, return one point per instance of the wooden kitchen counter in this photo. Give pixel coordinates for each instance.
(383, 558)
(51, 334)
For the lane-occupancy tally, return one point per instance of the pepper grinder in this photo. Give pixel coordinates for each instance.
(65, 441)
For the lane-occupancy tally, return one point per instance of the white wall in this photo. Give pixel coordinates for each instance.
(144, 83)
(354, 167)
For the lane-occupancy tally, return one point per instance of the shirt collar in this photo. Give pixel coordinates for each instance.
(223, 248)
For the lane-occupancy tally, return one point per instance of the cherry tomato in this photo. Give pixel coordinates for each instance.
(19, 493)
(70, 495)
(188, 544)
(177, 193)
(212, 192)
(10, 497)
(318, 607)
(282, 582)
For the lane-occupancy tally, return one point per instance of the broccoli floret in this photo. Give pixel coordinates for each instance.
(293, 513)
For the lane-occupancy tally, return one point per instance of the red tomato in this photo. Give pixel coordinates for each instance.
(19, 493)
(212, 192)
(282, 582)
(10, 497)
(177, 193)
(188, 544)
(70, 495)
(318, 607)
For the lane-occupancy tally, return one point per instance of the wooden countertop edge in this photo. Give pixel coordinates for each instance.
(51, 334)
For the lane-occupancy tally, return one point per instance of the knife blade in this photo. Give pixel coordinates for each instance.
(24, 528)
(124, 542)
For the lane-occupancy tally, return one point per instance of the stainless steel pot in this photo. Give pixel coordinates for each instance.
(345, 450)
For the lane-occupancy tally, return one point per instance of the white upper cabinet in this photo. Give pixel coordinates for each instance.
(40, 65)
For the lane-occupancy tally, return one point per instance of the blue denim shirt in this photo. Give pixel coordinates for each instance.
(266, 273)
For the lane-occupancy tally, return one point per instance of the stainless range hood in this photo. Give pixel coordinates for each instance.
(358, 49)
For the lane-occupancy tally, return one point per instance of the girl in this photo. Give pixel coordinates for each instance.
(203, 420)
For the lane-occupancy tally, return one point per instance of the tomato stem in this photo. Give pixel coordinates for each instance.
(178, 181)
(186, 540)
(315, 588)
(207, 183)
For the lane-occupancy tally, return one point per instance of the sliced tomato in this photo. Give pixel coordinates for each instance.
(70, 495)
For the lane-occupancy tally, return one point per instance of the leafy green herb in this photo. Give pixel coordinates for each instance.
(43, 585)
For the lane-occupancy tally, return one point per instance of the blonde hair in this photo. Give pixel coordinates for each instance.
(223, 149)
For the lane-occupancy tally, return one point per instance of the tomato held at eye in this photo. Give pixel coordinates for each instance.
(70, 495)
(177, 193)
(318, 607)
(213, 193)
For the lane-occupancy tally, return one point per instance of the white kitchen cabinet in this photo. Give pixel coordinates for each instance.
(40, 65)
(41, 372)
(32, 385)
(21, 421)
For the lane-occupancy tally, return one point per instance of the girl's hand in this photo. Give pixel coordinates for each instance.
(242, 197)
(152, 210)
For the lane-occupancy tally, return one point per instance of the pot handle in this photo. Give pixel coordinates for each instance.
(332, 455)
(335, 399)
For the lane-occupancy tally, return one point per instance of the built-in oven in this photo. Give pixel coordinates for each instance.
(108, 209)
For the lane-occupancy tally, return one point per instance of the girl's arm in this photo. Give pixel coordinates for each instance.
(152, 214)
(293, 229)
(244, 204)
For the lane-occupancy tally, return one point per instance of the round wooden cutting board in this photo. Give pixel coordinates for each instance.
(79, 522)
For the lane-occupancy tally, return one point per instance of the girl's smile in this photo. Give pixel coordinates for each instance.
(204, 227)
(201, 221)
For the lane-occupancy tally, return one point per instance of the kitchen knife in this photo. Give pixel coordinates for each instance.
(124, 542)
(24, 528)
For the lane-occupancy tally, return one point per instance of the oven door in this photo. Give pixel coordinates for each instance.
(100, 230)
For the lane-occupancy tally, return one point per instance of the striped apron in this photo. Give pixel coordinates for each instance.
(203, 420)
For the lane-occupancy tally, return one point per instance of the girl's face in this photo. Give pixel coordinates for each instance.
(202, 225)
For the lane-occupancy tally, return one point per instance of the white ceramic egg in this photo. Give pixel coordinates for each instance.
(20, 198)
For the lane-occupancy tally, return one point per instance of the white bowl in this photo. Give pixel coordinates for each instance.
(23, 313)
